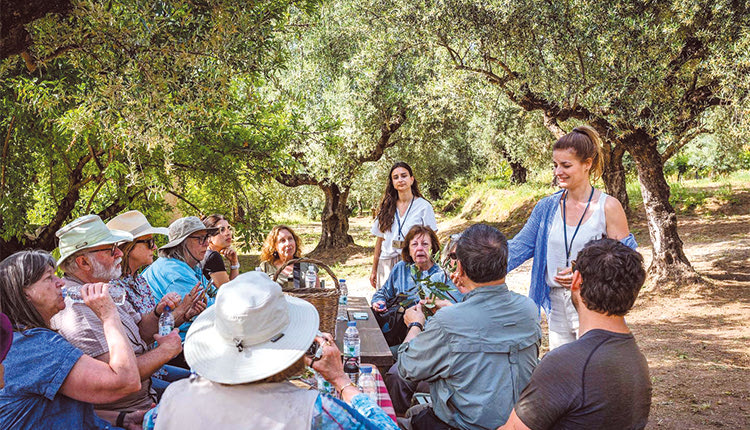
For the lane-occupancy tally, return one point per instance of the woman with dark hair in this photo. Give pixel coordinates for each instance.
(220, 245)
(401, 208)
(49, 382)
(561, 224)
(282, 245)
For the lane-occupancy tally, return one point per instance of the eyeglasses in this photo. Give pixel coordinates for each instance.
(112, 250)
(201, 239)
(149, 242)
(572, 266)
(452, 255)
(227, 228)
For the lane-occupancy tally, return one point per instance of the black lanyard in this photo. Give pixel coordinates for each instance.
(569, 248)
(406, 215)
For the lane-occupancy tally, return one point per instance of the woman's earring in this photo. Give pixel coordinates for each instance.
(276, 254)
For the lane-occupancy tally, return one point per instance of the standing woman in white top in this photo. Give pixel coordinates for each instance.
(562, 224)
(401, 208)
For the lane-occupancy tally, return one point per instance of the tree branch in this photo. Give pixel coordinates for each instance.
(551, 123)
(387, 129)
(5, 152)
(174, 193)
(96, 191)
(682, 141)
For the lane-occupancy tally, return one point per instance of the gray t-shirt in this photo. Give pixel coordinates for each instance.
(599, 381)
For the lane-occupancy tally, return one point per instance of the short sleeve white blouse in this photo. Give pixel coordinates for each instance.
(420, 213)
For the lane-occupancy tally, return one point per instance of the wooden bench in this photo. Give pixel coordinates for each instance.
(373, 347)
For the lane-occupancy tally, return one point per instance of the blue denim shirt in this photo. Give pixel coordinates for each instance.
(36, 367)
(477, 356)
(168, 275)
(401, 281)
(531, 241)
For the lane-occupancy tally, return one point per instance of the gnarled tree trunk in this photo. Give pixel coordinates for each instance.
(669, 263)
(335, 218)
(519, 172)
(614, 176)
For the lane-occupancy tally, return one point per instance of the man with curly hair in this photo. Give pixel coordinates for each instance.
(601, 380)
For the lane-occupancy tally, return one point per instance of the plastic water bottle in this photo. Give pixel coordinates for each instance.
(324, 386)
(310, 277)
(351, 351)
(166, 322)
(367, 383)
(343, 315)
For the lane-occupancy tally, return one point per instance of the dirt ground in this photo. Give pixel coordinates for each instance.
(695, 337)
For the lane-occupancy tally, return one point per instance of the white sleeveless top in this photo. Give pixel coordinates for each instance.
(203, 404)
(592, 228)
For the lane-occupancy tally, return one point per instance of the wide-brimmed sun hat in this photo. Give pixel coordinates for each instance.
(180, 229)
(87, 232)
(135, 223)
(6, 336)
(253, 331)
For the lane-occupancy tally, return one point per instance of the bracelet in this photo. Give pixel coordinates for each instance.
(235, 266)
(416, 324)
(157, 315)
(343, 387)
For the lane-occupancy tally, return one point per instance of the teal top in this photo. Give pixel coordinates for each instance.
(477, 356)
(168, 275)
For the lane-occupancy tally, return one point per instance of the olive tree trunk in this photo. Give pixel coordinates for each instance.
(335, 218)
(669, 263)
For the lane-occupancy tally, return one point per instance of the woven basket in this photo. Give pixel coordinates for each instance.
(325, 300)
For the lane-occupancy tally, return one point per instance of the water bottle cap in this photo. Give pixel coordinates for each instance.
(365, 369)
(167, 309)
(342, 280)
(352, 324)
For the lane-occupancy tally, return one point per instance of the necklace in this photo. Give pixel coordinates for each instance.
(569, 247)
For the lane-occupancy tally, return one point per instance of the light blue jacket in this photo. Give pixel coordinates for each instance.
(401, 281)
(168, 275)
(531, 241)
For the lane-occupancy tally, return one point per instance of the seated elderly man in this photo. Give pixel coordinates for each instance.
(89, 254)
(476, 355)
(600, 380)
(178, 268)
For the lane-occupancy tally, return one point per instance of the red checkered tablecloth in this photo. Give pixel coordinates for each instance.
(384, 400)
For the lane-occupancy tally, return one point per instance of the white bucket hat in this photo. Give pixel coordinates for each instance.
(136, 224)
(180, 229)
(253, 331)
(87, 232)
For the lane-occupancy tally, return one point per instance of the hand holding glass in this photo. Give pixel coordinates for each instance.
(564, 276)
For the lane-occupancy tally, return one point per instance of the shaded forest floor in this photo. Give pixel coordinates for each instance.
(696, 338)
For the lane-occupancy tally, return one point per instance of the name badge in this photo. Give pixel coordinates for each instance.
(398, 244)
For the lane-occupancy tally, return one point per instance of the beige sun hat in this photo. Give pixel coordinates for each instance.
(253, 331)
(135, 223)
(86, 232)
(180, 229)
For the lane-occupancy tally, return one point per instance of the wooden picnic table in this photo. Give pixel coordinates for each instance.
(373, 347)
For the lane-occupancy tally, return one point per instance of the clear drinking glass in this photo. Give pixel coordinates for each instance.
(561, 269)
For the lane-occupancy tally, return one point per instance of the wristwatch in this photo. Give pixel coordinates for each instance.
(416, 324)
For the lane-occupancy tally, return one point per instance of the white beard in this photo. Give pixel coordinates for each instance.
(105, 274)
